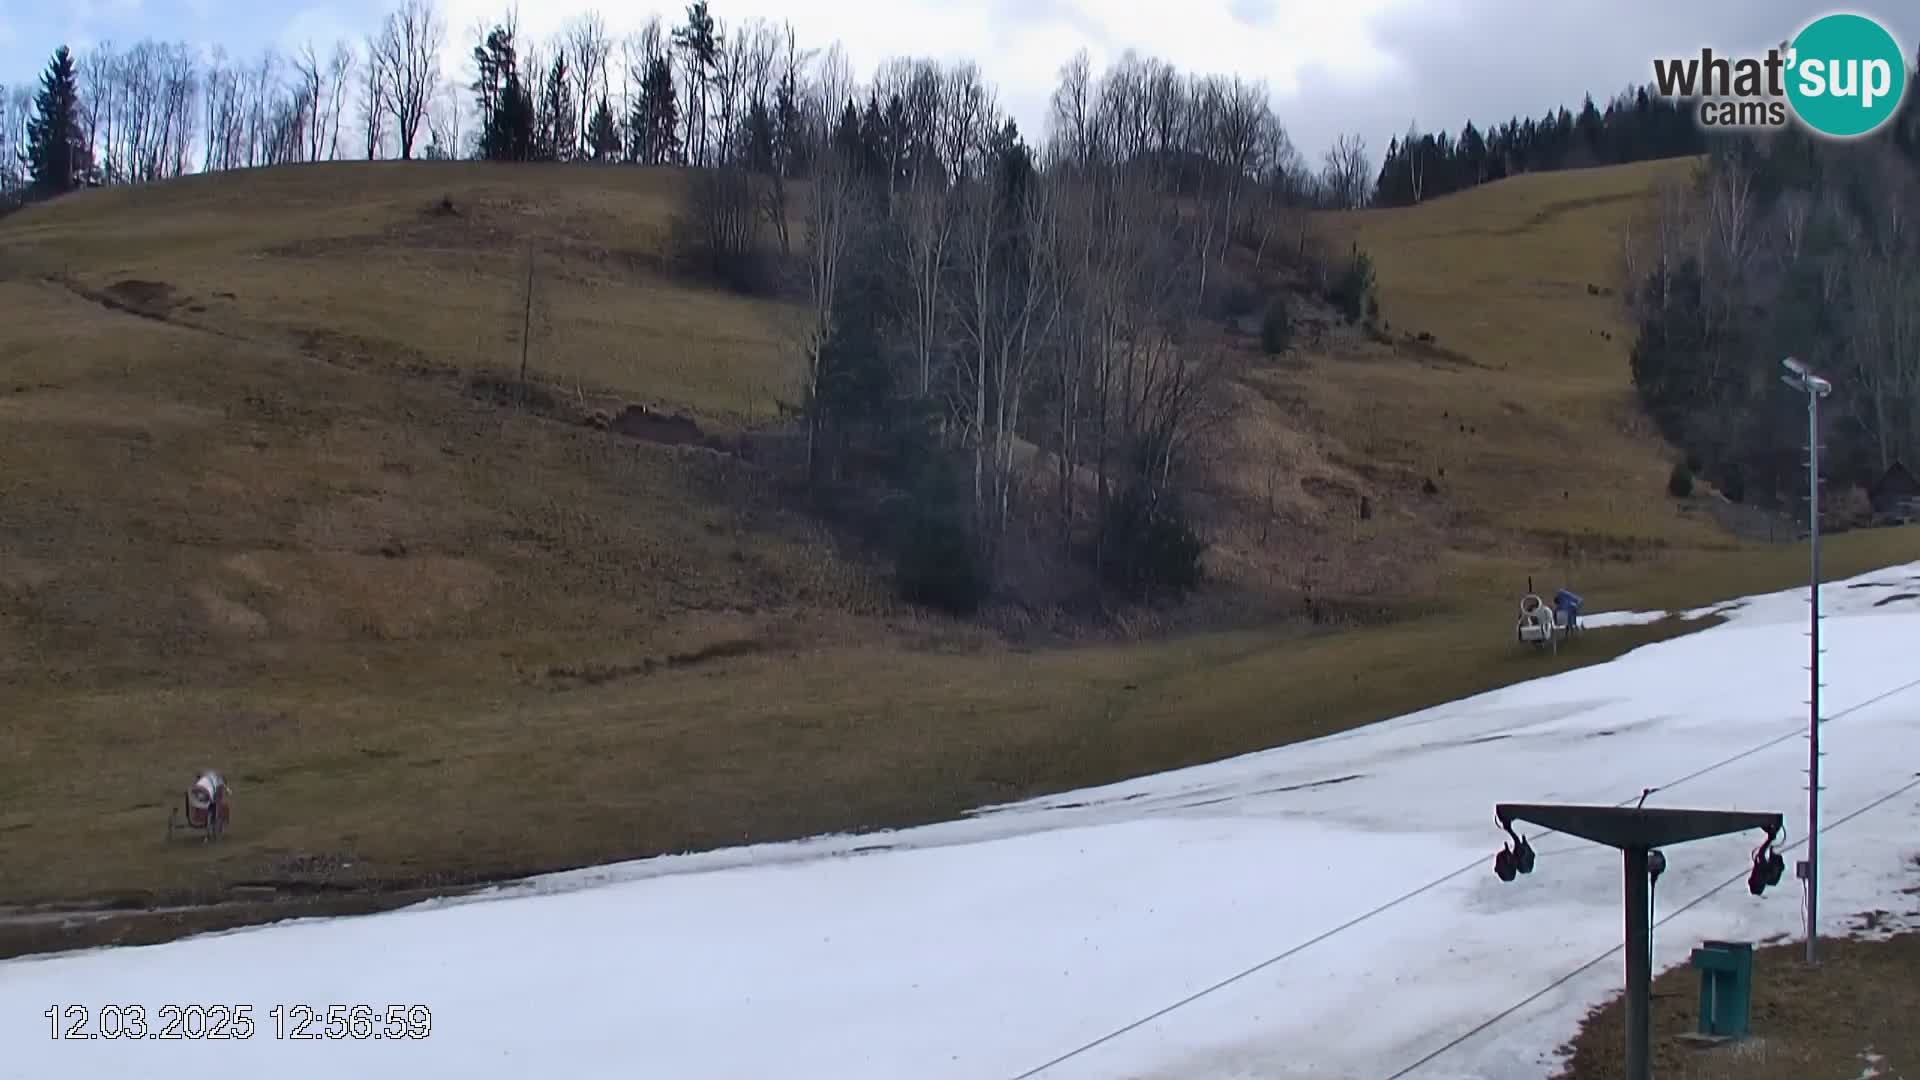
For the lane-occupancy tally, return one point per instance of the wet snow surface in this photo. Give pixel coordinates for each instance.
(986, 947)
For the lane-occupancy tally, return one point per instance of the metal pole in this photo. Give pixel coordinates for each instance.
(1639, 966)
(526, 324)
(1813, 694)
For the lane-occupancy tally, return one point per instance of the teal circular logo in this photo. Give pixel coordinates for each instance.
(1845, 75)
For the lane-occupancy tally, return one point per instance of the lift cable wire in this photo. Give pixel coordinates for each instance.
(1662, 921)
(1428, 887)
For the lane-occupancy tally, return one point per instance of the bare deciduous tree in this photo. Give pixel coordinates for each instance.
(964, 117)
(1348, 172)
(261, 89)
(1071, 109)
(339, 71)
(588, 48)
(312, 77)
(407, 52)
(221, 100)
(833, 212)
(374, 92)
(1245, 116)
(833, 88)
(926, 228)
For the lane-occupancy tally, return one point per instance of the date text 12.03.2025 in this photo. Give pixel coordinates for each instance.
(172, 1022)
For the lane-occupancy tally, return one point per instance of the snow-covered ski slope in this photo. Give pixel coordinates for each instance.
(1347, 881)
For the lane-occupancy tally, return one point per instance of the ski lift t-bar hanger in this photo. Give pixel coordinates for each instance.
(1638, 832)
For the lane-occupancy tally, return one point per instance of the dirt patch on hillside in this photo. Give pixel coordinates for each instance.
(1425, 348)
(1555, 210)
(157, 297)
(667, 429)
(687, 641)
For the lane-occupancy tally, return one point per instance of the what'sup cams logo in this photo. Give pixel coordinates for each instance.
(1843, 75)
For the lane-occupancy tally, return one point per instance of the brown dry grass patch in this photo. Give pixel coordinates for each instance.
(1851, 1017)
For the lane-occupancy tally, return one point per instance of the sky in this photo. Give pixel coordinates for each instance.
(1368, 66)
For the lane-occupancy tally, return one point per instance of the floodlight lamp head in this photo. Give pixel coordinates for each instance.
(1804, 380)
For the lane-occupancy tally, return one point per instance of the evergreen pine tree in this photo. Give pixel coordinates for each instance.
(761, 139)
(1473, 156)
(514, 119)
(1591, 132)
(655, 124)
(558, 126)
(56, 148)
(603, 136)
(789, 136)
(496, 90)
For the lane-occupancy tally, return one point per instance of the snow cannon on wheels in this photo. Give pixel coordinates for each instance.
(1544, 625)
(205, 809)
(1566, 612)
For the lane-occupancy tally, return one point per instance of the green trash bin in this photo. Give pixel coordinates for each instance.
(1726, 987)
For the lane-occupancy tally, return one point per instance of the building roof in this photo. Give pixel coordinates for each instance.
(1897, 481)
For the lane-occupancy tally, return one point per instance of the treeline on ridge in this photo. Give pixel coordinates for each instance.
(1637, 125)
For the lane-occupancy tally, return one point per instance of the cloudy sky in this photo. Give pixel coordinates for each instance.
(1370, 66)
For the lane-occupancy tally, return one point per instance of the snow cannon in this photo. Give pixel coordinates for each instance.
(1536, 623)
(1566, 610)
(205, 809)
(1544, 625)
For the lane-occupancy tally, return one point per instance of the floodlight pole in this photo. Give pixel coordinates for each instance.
(1815, 388)
(1813, 679)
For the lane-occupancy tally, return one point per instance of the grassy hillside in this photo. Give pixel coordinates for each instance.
(262, 516)
(239, 411)
(1518, 409)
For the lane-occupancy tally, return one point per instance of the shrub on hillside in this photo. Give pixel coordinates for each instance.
(1352, 291)
(1149, 545)
(939, 567)
(1680, 482)
(1276, 329)
(1733, 482)
(1846, 507)
(718, 231)
(937, 557)
(1237, 300)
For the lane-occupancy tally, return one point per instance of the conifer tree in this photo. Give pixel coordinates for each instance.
(56, 148)
(603, 135)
